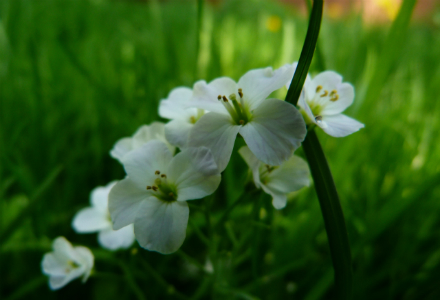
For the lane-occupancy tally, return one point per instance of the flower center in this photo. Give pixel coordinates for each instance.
(238, 110)
(163, 189)
(321, 99)
(193, 119)
(71, 265)
(265, 171)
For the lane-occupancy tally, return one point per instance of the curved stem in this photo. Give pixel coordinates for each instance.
(332, 214)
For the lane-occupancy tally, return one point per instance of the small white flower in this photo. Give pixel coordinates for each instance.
(97, 219)
(145, 133)
(182, 117)
(272, 128)
(277, 181)
(66, 263)
(153, 196)
(323, 100)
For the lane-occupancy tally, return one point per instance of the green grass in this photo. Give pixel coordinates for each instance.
(75, 76)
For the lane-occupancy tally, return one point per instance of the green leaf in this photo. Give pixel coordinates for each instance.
(306, 53)
(332, 214)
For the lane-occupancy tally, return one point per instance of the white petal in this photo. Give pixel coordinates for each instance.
(89, 220)
(290, 176)
(57, 282)
(340, 125)
(87, 260)
(258, 84)
(124, 201)
(206, 95)
(177, 132)
(195, 173)
(142, 163)
(253, 163)
(279, 200)
(175, 107)
(53, 264)
(328, 80)
(63, 249)
(216, 132)
(275, 131)
(122, 147)
(161, 226)
(115, 239)
(99, 197)
(346, 97)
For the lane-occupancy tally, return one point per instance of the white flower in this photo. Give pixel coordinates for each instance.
(153, 194)
(277, 181)
(323, 100)
(66, 263)
(97, 219)
(182, 117)
(145, 133)
(272, 128)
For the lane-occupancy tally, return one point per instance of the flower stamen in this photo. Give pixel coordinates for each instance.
(318, 88)
(325, 94)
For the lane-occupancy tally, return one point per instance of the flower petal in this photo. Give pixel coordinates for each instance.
(328, 80)
(89, 220)
(195, 173)
(87, 260)
(122, 147)
(177, 132)
(124, 201)
(279, 200)
(346, 97)
(99, 197)
(141, 163)
(253, 163)
(154, 131)
(216, 132)
(290, 176)
(275, 131)
(161, 226)
(206, 95)
(175, 106)
(258, 84)
(115, 239)
(57, 282)
(339, 125)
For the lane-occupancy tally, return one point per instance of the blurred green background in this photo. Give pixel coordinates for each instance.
(77, 75)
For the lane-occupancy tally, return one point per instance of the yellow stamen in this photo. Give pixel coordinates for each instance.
(325, 94)
(219, 97)
(318, 88)
(157, 172)
(334, 98)
(148, 187)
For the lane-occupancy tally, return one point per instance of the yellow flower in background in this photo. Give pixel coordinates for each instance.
(273, 23)
(391, 7)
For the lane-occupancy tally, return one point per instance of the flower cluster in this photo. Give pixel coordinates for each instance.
(150, 203)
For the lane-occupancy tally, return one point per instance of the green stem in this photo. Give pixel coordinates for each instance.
(169, 287)
(132, 282)
(306, 53)
(332, 214)
(199, 33)
(239, 200)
